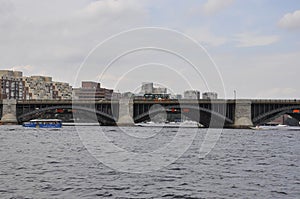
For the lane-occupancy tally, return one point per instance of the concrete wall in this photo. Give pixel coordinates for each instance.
(9, 112)
(242, 114)
(125, 112)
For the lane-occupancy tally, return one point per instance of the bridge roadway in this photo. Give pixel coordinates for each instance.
(240, 113)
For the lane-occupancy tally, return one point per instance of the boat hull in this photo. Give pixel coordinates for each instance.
(170, 125)
(42, 125)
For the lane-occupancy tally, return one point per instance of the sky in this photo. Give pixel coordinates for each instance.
(248, 46)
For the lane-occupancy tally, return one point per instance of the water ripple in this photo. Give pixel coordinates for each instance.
(243, 164)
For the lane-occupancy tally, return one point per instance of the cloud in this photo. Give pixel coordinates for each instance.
(250, 39)
(290, 20)
(112, 9)
(21, 68)
(213, 6)
(6, 7)
(260, 75)
(275, 92)
(205, 36)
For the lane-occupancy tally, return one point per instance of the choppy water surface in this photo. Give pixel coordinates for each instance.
(56, 164)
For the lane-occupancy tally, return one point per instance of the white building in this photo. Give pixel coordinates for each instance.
(147, 88)
(160, 90)
(191, 94)
(210, 95)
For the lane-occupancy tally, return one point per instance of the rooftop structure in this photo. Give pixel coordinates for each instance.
(92, 91)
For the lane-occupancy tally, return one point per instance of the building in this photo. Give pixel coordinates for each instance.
(38, 88)
(159, 90)
(176, 96)
(147, 88)
(43, 88)
(210, 95)
(116, 95)
(92, 91)
(11, 84)
(128, 95)
(15, 86)
(191, 94)
(62, 91)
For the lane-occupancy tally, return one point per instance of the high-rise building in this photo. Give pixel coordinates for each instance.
(191, 94)
(11, 84)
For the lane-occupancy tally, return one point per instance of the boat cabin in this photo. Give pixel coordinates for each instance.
(44, 123)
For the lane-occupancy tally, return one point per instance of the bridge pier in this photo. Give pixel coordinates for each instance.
(125, 112)
(9, 112)
(242, 117)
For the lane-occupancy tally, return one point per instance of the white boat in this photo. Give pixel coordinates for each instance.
(293, 128)
(184, 124)
(79, 124)
(271, 127)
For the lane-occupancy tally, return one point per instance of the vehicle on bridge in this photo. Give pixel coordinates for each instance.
(156, 96)
(44, 123)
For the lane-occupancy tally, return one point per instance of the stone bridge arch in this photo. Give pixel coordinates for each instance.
(31, 114)
(273, 114)
(207, 117)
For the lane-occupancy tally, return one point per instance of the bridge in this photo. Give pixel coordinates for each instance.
(240, 113)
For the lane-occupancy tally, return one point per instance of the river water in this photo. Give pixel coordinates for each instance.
(59, 164)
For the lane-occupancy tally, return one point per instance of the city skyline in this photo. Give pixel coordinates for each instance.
(13, 85)
(254, 44)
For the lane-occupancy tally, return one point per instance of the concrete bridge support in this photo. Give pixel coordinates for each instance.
(9, 112)
(242, 117)
(125, 112)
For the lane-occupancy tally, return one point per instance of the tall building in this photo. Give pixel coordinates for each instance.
(191, 94)
(147, 88)
(11, 84)
(92, 91)
(210, 95)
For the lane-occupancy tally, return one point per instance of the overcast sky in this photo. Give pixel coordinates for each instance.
(251, 46)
